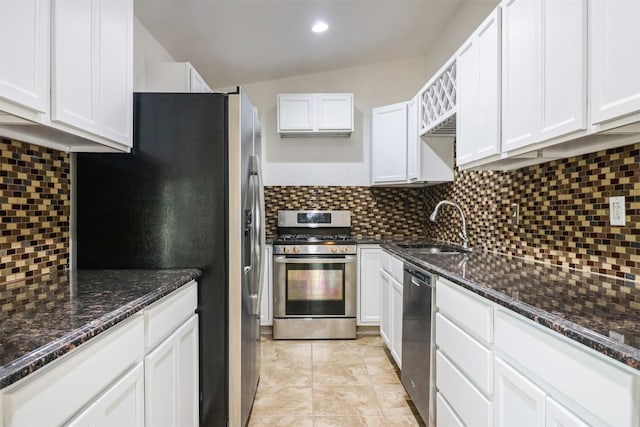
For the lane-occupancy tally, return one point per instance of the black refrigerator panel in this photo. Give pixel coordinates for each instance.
(165, 205)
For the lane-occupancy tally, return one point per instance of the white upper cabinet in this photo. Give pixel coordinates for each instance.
(569, 71)
(164, 76)
(564, 67)
(399, 156)
(478, 109)
(520, 72)
(389, 143)
(115, 96)
(543, 70)
(614, 58)
(335, 111)
(92, 56)
(296, 112)
(315, 113)
(75, 63)
(413, 141)
(24, 53)
(198, 85)
(438, 101)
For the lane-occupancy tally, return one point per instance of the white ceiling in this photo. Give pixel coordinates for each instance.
(233, 42)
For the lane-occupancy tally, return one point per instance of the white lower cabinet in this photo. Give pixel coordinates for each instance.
(56, 393)
(464, 362)
(391, 273)
(474, 359)
(470, 405)
(571, 373)
(518, 401)
(369, 285)
(113, 380)
(396, 321)
(385, 307)
(559, 416)
(529, 375)
(122, 405)
(446, 415)
(171, 379)
(266, 301)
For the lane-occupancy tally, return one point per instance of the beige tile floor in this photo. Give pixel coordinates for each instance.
(341, 383)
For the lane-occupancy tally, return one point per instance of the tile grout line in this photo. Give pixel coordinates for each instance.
(313, 419)
(375, 393)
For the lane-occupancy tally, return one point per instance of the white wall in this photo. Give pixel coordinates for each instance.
(332, 161)
(145, 48)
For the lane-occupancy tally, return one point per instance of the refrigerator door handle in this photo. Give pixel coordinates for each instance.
(258, 229)
(249, 220)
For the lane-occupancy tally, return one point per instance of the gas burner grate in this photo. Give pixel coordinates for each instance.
(312, 238)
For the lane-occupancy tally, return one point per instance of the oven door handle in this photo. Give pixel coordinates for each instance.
(285, 260)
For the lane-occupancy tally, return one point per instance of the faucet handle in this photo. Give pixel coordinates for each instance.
(465, 239)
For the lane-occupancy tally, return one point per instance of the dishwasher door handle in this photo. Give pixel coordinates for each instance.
(419, 281)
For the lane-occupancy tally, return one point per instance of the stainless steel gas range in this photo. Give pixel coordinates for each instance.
(314, 276)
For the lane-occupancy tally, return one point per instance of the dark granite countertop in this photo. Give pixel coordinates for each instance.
(83, 305)
(368, 241)
(582, 306)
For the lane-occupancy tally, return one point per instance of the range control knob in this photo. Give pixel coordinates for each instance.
(334, 250)
(296, 249)
(285, 250)
(344, 249)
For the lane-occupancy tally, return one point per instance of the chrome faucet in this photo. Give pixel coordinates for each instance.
(463, 233)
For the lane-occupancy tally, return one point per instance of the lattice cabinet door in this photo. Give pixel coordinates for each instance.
(438, 102)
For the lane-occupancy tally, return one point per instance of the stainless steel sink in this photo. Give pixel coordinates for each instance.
(427, 248)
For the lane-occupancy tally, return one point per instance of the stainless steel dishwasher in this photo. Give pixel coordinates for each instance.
(418, 339)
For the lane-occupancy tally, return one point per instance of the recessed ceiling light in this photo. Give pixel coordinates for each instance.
(320, 27)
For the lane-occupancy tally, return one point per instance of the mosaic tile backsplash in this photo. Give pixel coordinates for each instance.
(564, 216)
(376, 213)
(34, 205)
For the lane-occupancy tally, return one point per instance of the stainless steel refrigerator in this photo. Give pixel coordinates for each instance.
(189, 195)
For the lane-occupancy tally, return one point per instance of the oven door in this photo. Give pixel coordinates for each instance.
(314, 286)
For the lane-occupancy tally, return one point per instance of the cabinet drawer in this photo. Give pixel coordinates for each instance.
(465, 309)
(57, 392)
(385, 262)
(397, 268)
(471, 357)
(470, 405)
(446, 417)
(575, 371)
(559, 416)
(163, 317)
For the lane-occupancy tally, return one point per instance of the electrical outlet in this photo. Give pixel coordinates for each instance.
(515, 214)
(617, 214)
